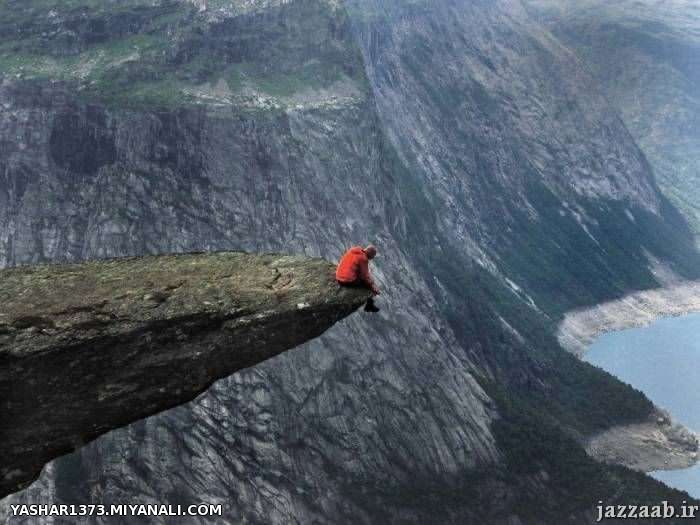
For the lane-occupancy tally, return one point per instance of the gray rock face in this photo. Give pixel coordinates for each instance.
(458, 136)
(648, 61)
(381, 400)
(89, 347)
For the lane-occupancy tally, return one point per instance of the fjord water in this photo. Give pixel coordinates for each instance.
(663, 361)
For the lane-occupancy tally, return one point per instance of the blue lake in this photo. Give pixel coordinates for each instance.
(663, 361)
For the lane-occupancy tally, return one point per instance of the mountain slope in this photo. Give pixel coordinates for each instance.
(459, 136)
(646, 58)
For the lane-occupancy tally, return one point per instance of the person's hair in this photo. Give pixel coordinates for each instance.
(371, 251)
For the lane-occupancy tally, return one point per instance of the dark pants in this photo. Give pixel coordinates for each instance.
(369, 305)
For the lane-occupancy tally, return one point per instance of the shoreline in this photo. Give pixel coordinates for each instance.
(655, 444)
(659, 443)
(579, 328)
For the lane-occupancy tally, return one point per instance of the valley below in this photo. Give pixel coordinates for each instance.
(659, 443)
(661, 360)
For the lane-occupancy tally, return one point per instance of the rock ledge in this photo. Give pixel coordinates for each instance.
(86, 348)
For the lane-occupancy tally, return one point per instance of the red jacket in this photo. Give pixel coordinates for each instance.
(354, 267)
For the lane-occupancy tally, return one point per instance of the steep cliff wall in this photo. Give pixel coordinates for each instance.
(458, 136)
(647, 59)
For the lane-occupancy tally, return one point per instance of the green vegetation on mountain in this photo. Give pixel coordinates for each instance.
(135, 53)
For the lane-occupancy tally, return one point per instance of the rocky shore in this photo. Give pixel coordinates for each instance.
(657, 444)
(580, 327)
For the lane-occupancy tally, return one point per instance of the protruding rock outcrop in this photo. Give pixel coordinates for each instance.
(86, 348)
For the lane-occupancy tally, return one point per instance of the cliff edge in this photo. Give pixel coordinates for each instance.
(86, 348)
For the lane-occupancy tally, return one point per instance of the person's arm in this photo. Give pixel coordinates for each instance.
(366, 277)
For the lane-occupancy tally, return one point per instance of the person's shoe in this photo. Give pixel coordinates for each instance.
(371, 307)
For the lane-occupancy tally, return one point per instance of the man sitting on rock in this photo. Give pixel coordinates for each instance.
(353, 270)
